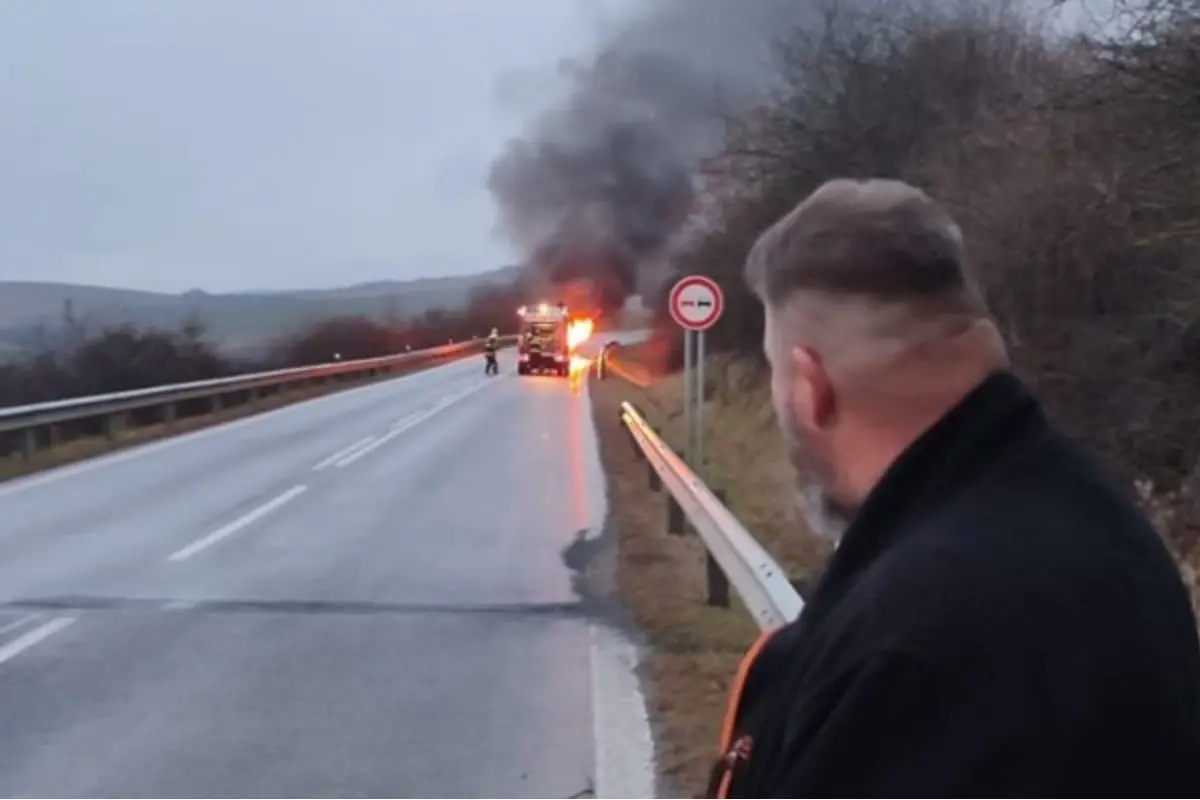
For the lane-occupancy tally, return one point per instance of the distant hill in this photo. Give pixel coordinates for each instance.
(235, 321)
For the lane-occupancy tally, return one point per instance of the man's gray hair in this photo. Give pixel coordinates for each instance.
(876, 239)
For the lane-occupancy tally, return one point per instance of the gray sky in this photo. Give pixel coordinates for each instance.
(238, 144)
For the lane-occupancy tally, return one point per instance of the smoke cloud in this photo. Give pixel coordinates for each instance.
(603, 176)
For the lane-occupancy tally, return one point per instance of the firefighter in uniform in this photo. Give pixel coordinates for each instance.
(489, 348)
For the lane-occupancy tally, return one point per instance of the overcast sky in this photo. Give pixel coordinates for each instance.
(238, 144)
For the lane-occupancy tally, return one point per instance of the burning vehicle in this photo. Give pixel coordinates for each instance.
(548, 338)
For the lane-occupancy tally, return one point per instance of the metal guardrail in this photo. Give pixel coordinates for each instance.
(734, 557)
(609, 363)
(26, 420)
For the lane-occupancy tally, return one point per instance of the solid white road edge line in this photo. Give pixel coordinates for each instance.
(343, 452)
(409, 423)
(621, 732)
(112, 459)
(30, 638)
(620, 726)
(235, 526)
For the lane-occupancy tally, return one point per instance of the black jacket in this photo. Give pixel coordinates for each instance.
(999, 620)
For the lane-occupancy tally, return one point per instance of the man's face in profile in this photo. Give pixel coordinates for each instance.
(808, 448)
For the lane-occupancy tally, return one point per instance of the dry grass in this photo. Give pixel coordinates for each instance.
(14, 465)
(694, 649)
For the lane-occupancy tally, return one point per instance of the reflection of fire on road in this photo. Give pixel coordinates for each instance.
(578, 332)
(579, 364)
(579, 369)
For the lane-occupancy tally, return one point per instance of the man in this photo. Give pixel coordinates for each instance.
(998, 619)
(489, 348)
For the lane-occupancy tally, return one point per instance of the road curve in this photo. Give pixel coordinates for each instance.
(360, 595)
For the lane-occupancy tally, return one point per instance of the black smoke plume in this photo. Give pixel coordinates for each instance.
(601, 180)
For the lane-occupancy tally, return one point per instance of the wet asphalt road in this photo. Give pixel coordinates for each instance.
(362, 595)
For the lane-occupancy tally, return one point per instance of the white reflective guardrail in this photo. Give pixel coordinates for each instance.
(25, 421)
(735, 558)
(609, 363)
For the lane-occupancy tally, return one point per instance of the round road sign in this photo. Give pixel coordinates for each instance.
(696, 302)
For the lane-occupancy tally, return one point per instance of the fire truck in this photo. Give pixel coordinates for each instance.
(543, 344)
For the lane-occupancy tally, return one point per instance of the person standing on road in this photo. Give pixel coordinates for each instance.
(998, 618)
(492, 367)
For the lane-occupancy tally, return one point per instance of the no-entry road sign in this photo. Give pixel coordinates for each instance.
(696, 302)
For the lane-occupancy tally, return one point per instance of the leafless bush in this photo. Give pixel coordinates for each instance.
(346, 338)
(111, 359)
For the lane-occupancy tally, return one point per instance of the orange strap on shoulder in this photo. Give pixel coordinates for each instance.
(738, 685)
(729, 723)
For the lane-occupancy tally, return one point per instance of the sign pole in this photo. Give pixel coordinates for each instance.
(696, 303)
(699, 403)
(688, 336)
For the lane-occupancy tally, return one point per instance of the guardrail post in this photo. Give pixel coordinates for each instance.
(676, 524)
(28, 443)
(715, 580)
(655, 482)
(633, 441)
(717, 585)
(169, 413)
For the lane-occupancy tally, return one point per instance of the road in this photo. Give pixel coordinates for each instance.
(360, 595)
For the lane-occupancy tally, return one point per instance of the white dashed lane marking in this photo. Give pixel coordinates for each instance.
(30, 638)
(345, 451)
(241, 522)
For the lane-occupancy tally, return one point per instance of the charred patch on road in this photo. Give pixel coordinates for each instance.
(85, 603)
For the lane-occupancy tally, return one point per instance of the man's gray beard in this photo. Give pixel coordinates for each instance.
(812, 498)
(812, 503)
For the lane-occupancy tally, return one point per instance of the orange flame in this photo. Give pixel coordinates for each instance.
(578, 332)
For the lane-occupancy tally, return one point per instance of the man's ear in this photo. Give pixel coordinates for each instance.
(819, 405)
